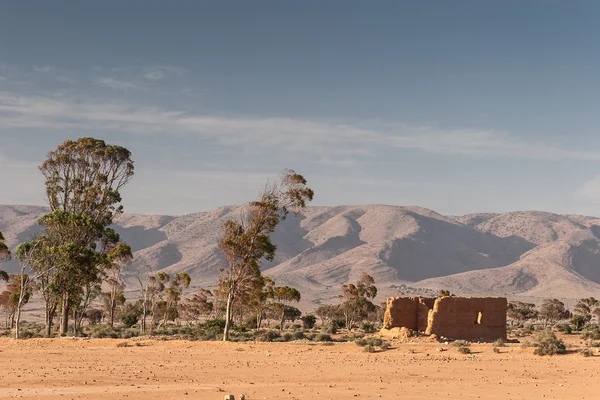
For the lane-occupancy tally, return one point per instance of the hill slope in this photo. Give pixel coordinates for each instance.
(521, 254)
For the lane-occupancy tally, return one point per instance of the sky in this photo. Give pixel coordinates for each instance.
(461, 106)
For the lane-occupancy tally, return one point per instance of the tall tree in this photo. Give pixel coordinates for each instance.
(246, 241)
(521, 311)
(114, 298)
(4, 255)
(195, 307)
(357, 299)
(553, 310)
(283, 296)
(83, 182)
(586, 308)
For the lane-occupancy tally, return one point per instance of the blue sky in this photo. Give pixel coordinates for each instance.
(462, 106)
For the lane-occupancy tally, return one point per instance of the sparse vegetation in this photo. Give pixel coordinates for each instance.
(548, 344)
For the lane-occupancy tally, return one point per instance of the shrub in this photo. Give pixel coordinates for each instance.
(368, 328)
(250, 323)
(461, 343)
(123, 344)
(500, 343)
(268, 336)
(547, 344)
(592, 332)
(385, 345)
(309, 321)
(565, 328)
(322, 337)
(586, 352)
(130, 314)
(329, 328)
(495, 349)
(579, 321)
(286, 337)
(298, 335)
(371, 341)
(369, 349)
(464, 350)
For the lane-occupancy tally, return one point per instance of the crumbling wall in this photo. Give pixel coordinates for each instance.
(425, 306)
(401, 312)
(469, 318)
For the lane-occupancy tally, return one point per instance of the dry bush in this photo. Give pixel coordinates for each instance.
(586, 352)
(461, 343)
(123, 344)
(495, 349)
(369, 349)
(464, 350)
(500, 343)
(548, 344)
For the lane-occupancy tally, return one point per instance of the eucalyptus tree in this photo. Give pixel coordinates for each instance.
(283, 296)
(357, 299)
(83, 182)
(246, 240)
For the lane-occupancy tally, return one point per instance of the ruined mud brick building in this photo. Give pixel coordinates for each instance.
(469, 318)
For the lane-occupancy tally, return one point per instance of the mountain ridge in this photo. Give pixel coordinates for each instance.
(521, 253)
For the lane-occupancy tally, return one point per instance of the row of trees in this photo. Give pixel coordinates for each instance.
(79, 259)
(554, 310)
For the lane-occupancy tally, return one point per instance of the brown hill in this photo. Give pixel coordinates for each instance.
(519, 254)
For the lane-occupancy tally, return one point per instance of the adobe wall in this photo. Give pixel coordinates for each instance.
(474, 318)
(407, 312)
(469, 318)
(401, 312)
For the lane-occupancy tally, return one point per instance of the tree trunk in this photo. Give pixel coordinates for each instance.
(282, 320)
(64, 320)
(228, 314)
(143, 323)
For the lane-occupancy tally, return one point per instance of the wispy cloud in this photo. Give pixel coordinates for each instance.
(318, 137)
(119, 84)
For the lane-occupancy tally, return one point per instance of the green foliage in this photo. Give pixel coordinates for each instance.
(553, 310)
(368, 328)
(373, 341)
(586, 307)
(445, 293)
(268, 336)
(591, 332)
(309, 321)
(565, 328)
(130, 314)
(369, 349)
(356, 300)
(322, 337)
(578, 321)
(246, 242)
(521, 312)
(299, 335)
(547, 343)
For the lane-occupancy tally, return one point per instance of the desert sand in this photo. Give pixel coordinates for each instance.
(98, 369)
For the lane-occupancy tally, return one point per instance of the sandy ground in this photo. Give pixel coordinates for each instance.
(98, 369)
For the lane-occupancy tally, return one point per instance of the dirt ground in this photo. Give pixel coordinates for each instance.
(98, 369)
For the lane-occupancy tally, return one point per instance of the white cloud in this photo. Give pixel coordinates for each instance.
(118, 84)
(154, 75)
(329, 139)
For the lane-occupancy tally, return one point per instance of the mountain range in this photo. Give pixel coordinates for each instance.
(528, 254)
